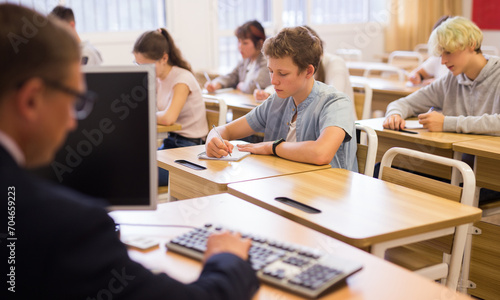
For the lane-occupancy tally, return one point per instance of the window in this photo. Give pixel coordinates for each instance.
(232, 13)
(342, 12)
(294, 13)
(107, 15)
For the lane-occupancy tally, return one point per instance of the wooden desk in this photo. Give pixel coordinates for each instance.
(384, 57)
(487, 161)
(163, 130)
(439, 143)
(377, 280)
(239, 102)
(359, 67)
(188, 183)
(485, 245)
(384, 90)
(485, 259)
(357, 209)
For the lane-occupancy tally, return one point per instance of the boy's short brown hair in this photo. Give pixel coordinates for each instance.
(297, 42)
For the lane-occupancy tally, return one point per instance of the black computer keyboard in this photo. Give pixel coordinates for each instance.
(303, 271)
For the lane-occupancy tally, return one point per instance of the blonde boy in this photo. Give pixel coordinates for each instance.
(467, 100)
(305, 120)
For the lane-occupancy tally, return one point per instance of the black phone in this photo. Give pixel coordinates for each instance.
(190, 164)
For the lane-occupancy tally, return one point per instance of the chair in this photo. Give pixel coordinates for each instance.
(448, 251)
(216, 110)
(363, 94)
(405, 59)
(385, 71)
(490, 50)
(422, 49)
(367, 151)
(163, 195)
(350, 54)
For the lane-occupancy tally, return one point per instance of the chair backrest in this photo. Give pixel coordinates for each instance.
(367, 151)
(216, 110)
(450, 249)
(400, 58)
(350, 54)
(490, 50)
(422, 49)
(464, 194)
(385, 70)
(363, 94)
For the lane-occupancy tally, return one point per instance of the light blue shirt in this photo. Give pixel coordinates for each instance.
(324, 107)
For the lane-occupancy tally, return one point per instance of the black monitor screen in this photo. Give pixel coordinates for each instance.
(112, 153)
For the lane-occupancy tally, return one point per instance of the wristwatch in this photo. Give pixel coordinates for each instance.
(276, 143)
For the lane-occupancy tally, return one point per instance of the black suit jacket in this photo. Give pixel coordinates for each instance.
(67, 248)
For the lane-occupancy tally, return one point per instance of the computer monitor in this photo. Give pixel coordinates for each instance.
(112, 153)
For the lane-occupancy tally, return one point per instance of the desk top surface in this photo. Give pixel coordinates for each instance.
(385, 85)
(236, 99)
(486, 147)
(363, 65)
(357, 209)
(165, 128)
(385, 56)
(443, 140)
(373, 282)
(225, 172)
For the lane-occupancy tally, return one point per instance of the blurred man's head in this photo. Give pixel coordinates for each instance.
(40, 77)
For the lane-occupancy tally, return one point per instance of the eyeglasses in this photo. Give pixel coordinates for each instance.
(84, 101)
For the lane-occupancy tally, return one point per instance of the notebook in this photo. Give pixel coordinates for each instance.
(235, 155)
(413, 124)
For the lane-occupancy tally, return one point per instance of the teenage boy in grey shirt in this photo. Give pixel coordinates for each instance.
(467, 100)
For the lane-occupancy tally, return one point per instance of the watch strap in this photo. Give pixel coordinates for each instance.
(275, 144)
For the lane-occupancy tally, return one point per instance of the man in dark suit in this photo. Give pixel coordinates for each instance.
(60, 244)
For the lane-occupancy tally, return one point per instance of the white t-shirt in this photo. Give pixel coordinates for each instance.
(192, 117)
(337, 74)
(292, 132)
(90, 55)
(433, 67)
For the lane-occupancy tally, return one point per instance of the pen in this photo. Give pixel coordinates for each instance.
(207, 77)
(220, 137)
(258, 85)
(431, 109)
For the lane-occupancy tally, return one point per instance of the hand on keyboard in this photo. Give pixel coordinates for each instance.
(300, 270)
(226, 241)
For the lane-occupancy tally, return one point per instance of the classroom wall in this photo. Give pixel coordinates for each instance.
(192, 29)
(490, 37)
